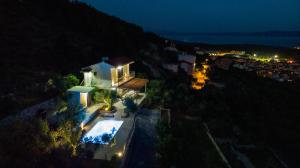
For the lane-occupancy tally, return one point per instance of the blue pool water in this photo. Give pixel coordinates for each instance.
(102, 132)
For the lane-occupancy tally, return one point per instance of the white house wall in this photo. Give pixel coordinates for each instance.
(103, 70)
(103, 74)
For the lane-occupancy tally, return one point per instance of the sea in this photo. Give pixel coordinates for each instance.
(276, 41)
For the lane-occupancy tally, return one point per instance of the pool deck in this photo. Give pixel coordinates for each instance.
(107, 151)
(103, 151)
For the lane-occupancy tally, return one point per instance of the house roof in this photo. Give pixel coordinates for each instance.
(134, 84)
(116, 61)
(86, 69)
(81, 89)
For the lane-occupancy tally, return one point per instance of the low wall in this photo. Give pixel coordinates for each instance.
(128, 148)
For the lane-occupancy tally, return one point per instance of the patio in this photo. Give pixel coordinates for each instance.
(117, 144)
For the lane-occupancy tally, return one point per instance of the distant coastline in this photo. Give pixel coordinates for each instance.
(272, 38)
(266, 33)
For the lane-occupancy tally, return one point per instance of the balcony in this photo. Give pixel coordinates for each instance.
(126, 78)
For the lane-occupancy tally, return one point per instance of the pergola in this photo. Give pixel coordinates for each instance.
(134, 84)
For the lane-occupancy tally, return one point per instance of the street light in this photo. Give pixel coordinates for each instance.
(82, 126)
(120, 154)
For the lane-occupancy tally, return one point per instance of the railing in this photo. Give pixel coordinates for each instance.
(129, 142)
(82, 83)
(131, 74)
(126, 78)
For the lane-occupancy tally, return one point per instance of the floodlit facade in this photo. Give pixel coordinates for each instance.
(109, 73)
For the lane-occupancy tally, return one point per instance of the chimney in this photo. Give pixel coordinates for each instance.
(104, 58)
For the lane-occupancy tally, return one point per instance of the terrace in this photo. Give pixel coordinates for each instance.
(107, 136)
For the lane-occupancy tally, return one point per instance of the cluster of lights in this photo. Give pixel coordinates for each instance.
(200, 77)
(290, 61)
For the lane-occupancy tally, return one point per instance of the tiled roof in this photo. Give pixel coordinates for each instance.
(116, 61)
(81, 89)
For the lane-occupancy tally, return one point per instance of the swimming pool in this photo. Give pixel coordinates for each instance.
(102, 132)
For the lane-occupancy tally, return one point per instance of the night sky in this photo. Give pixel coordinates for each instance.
(206, 15)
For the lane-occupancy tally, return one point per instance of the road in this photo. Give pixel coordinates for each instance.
(144, 139)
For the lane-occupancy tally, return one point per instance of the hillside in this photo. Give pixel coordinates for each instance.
(43, 39)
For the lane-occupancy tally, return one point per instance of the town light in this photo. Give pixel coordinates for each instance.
(276, 56)
(119, 67)
(254, 55)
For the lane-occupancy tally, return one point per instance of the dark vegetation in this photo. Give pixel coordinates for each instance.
(264, 111)
(40, 142)
(41, 40)
(183, 142)
(250, 111)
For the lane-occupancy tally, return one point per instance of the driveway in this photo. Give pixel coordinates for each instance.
(144, 140)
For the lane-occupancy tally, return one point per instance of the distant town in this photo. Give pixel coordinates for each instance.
(273, 67)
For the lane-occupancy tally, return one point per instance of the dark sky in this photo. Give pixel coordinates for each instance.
(206, 15)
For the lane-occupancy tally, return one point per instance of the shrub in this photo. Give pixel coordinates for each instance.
(129, 103)
(70, 80)
(98, 97)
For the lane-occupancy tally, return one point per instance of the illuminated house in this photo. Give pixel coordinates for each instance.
(110, 73)
(184, 62)
(187, 63)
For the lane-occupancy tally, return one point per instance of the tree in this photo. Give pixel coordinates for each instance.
(98, 96)
(154, 91)
(62, 84)
(130, 105)
(66, 137)
(70, 80)
(75, 114)
(105, 96)
(24, 142)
